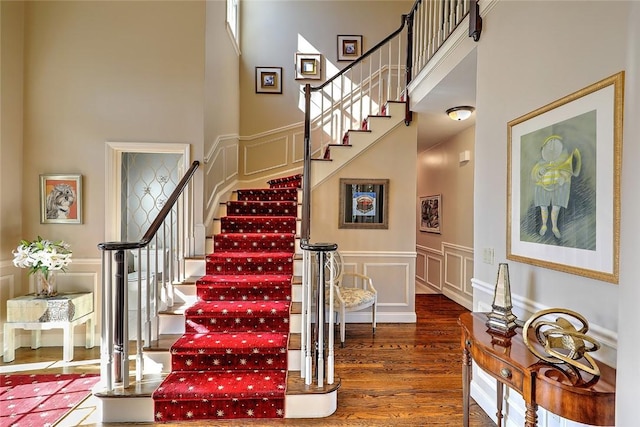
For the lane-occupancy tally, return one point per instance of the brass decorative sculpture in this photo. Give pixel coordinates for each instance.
(562, 341)
(501, 320)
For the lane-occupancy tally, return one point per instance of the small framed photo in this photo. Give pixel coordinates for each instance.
(431, 213)
(308, 66)
(349, 48)
(61, 199)
(268, 79)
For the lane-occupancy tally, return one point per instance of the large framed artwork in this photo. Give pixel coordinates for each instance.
(61, 199)
(364, 203)
(431, 213)
(563, 186)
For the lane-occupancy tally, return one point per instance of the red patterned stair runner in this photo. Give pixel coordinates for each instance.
(232, 360)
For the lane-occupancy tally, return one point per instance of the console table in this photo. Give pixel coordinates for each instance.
(65, 310)
(567, 392)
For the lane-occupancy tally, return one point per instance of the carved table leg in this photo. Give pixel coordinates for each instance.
(531, 415)
(466, 381)
(499, 399)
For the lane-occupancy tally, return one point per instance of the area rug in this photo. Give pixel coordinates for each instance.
(41, 399)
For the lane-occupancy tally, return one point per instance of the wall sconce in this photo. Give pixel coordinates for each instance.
(460, 113)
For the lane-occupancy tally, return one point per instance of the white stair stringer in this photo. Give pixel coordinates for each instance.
(359, 141)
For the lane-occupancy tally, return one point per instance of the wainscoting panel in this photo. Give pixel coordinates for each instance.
(434, 272)
(266, 155)
(447, 271)
(421, 267)
(453, 270)
(297, 156)
(392, 275)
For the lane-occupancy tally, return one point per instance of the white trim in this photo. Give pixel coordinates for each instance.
(282, 129)
(219, 140)
(430, 250)
(378, 254)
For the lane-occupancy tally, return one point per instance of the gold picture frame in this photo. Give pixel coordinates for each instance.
(60, 199)
(269, 80)
(349, 47)
(364, 203)
(308, 66)
(563, 200)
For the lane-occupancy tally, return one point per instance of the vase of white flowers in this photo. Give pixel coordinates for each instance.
(44, 258)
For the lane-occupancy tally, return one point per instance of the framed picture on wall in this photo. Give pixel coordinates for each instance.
(563, 186)
(349, 48)
(364, 203)
(61, 199)
(308, 66)
(269, 80)
(431, 213)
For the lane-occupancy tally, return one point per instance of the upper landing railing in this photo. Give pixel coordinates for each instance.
(381, 74)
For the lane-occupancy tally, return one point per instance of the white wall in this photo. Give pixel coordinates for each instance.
(386, 255)
(533, 54)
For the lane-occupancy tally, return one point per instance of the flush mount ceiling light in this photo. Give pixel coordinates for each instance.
(460, 113)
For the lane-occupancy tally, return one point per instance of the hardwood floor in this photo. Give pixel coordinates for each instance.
(408, 374)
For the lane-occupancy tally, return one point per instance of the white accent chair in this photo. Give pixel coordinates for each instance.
(352, 292)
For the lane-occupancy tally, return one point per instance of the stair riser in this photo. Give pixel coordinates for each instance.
(160, 362)
(251, 225)
(175, 324)
(262, 208)
(251, 242)
(223, 267)
(194, 267)
(223, 362)
(268, 195)
(224, 408)
(140, 409)
(209, 293)
(211, 323)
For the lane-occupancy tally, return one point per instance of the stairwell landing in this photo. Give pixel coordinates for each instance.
(231, 361)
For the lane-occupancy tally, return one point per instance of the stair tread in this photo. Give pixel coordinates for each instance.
(226, 278)
(144, 389)
(237, 307)
(165, 341)
(218, 342)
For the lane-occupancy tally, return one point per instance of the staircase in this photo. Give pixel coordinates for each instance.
(237, 353)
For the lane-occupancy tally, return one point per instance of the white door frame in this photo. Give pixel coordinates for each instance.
(113, 176)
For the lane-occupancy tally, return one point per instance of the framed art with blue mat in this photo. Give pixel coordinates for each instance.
(364, 203)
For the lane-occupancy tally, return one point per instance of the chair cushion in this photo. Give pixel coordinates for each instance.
(354, 297)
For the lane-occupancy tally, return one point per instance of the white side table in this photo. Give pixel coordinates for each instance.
(65, 311)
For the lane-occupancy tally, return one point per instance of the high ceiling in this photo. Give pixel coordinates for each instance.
(457, 88)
